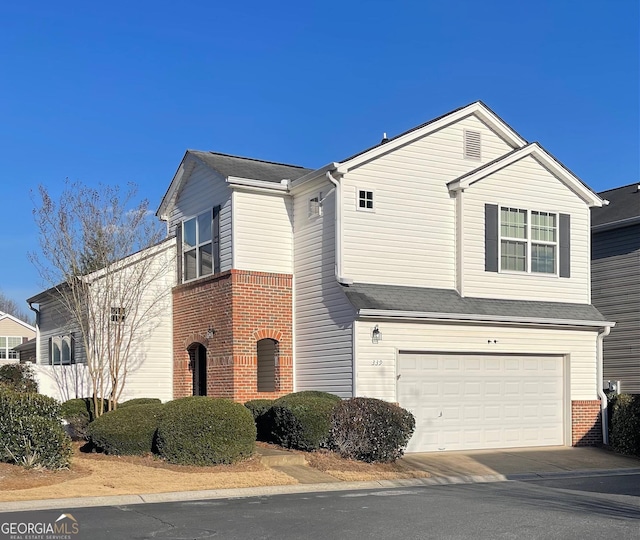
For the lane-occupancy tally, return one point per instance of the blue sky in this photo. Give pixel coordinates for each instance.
(115, 92)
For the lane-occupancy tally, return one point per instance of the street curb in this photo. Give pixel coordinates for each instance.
(266, 491)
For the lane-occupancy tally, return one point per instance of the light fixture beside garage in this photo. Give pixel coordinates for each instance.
(376, 334)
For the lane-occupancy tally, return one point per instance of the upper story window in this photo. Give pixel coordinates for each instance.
(117, 314)
(365, 200)
(315, 205)
(61, 350)
(200, 245)
(7, 343)
(528, 241)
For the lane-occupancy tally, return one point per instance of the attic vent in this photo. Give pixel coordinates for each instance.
(472, 144)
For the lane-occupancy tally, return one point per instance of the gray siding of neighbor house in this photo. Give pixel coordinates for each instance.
(615, 273)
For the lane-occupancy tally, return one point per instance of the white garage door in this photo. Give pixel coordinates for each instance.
(464, 402)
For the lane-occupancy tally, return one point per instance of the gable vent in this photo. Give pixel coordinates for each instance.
(472, 144)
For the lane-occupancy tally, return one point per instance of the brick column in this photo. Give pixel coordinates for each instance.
(586, 424)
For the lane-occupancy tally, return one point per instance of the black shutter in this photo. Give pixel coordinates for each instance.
(50, 352)
(565, 245)
(72, 349)
(179, 252)
(216, 240)
(491, 237)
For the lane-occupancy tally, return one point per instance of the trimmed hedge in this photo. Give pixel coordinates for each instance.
(301, 420)
(200, 430)
(370, 430)
(259, 409)
(18, 377)
(31, 433)
(625, 424)
(138, 401)
(126, 431)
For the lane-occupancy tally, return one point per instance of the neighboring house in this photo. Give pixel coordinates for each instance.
(446, 269)
(13, 333)
(615, 268)
(60, 353)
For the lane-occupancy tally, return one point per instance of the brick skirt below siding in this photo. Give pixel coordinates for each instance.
(586, 425)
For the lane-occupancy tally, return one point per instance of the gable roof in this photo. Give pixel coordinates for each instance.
(477, 108)
(6, 316)
(543, 157)
(229, 166)
(445, 303)
(623, 208)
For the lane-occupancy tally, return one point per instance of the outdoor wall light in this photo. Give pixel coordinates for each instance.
(210, 332)
(376, 334)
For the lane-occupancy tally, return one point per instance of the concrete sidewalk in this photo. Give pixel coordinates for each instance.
(480, 466)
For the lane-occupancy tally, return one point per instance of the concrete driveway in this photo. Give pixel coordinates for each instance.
(519, 463)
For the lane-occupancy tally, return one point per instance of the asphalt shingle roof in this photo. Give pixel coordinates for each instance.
(253, 169)
(426, 300)
(624, 203)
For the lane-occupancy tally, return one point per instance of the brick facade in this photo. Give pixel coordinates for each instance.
(586, 426)
(241, 307)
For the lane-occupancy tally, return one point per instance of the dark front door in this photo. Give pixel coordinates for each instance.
(199, 358)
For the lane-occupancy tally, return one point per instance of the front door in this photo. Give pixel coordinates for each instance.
(199, 362)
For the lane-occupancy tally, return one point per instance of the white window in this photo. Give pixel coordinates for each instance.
(528, 241)
(7, 343)
(197, 246)
(315, 206)
(117, 314)
(61, 350)
(365, 200)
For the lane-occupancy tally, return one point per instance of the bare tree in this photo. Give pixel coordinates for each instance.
(103, 259)
(9, 306)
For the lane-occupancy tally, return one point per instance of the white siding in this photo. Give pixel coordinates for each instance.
(150, 359)
(263, 232)
(323, 317)
(203, 190)
(409, 239)
(376, 363)
(527, 185)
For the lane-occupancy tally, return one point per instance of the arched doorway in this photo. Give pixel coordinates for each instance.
(198, 360)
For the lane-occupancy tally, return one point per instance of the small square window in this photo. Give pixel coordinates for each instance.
(315, 205)
(117, 314)
(365, 200)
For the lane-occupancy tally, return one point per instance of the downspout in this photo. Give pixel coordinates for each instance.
(37, 312)
(600, 377)
(338, 226)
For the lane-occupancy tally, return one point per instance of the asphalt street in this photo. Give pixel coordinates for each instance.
(587, 507)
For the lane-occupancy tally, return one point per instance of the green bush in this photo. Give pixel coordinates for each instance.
(370, 430)
(18, 377)
(205, 431)
(138, 401)
(625, 425)
(259, 409)
(301, 420)
(126, 431)
(31, 433)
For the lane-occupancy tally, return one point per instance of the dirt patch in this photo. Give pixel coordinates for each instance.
(94, 474)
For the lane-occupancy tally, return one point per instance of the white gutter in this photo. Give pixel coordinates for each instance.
(235, 181)
(600, 377)
(469, 317)
(338, 227)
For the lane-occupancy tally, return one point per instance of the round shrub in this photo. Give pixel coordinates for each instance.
(625, 425)
(205, 431)
(301, 420)
(370, 430)
(18, 377)
(127, 431)
(138, 401)
(31, 432)
(259, 409)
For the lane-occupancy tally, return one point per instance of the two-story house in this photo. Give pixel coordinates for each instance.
(13, 333)
(446, 269)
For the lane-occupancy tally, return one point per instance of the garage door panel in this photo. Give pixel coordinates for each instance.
(475, 401)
